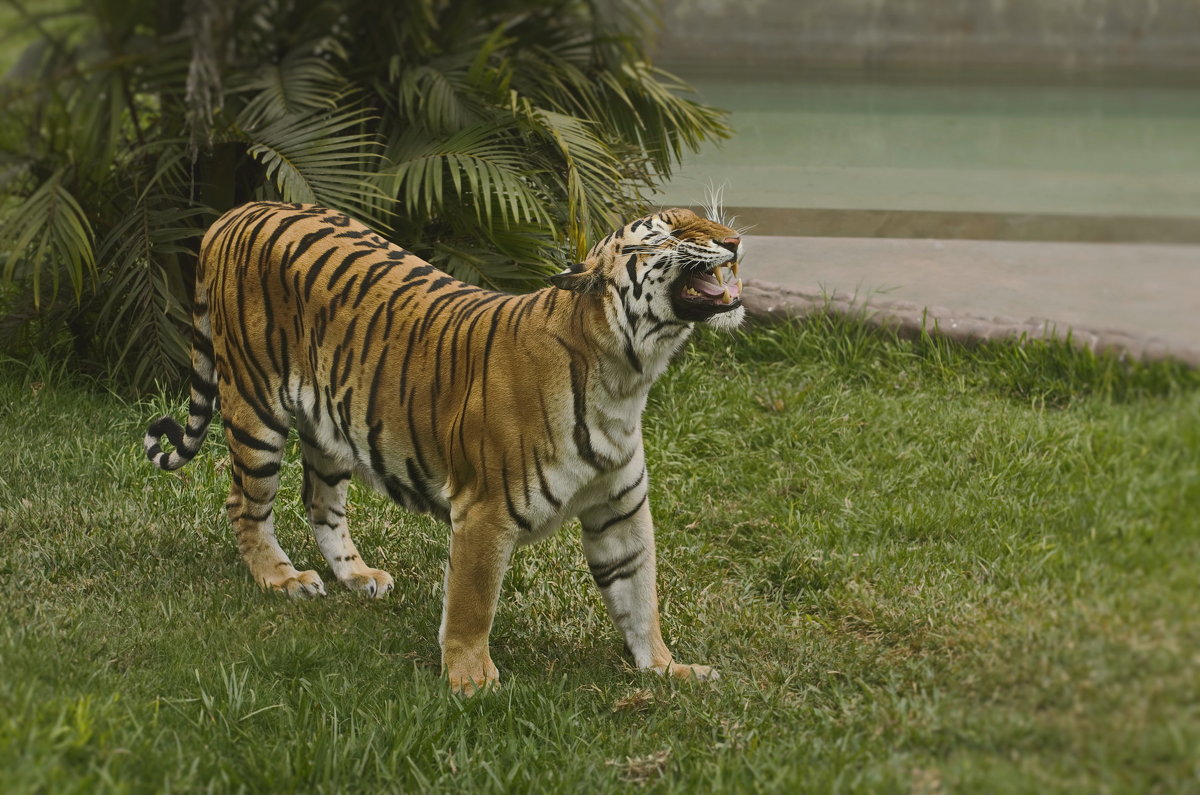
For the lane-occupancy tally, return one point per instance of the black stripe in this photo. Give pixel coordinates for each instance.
(266, 419)
(373, 390)
(373, 276)
(377, 462)
(370, 330)
(517, 518)
(346, 262)
(307, 242)
(487, 355)
(439, 304)
(329, 480)
(207, 389)
(402, 494)
(169, 427)
(305, 438)
(631, 355)
(608, 573)
(253, 517)
(631, 267)
(616, 497)
(265, 471)
(624, 574)
(617, 519)
(543, 484)
(416, 444)
(282, 225)
(202, 344)
(246, 438)
(419, 483)
(581, 433)
(348, 341)
(314, 270)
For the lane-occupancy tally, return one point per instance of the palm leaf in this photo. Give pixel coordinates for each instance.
(303, 80)
(594, 179)
(48, 231)
(147, 308)
(483, 166)
(323, 158)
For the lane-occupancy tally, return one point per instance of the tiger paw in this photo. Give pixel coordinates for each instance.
(469, 685)
(372, 583)
(699, 673)
(471, 673)
(300, 585)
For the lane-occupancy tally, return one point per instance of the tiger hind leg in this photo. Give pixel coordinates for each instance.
(256, 449)
(326, 481)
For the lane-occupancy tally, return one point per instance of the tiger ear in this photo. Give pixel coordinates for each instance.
(577, 278)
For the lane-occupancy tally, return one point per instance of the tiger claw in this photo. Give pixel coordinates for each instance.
(303, 585)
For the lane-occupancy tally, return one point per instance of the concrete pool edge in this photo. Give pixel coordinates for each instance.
(768, 302)
(966, 225)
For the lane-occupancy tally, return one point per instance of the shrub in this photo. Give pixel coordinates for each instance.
(493, 138)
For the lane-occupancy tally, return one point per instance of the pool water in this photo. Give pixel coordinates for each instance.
(937, 145)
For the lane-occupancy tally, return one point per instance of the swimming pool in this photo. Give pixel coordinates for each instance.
(858, 142)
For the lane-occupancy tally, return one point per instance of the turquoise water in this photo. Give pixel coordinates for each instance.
(910, 145)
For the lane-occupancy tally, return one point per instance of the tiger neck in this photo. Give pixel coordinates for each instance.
(635, 350)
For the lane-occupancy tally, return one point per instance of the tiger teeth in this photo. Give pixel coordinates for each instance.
(727, 298)
(717, 274)
(689, 291)
(733, 267)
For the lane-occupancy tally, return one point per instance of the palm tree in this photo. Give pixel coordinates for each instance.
(493, 137)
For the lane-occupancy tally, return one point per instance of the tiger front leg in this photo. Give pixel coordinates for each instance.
(618, 542)
(481, 546)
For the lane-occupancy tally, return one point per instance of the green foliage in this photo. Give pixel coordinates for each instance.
(493, 138)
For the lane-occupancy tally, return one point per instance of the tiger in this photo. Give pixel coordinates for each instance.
(504, 416)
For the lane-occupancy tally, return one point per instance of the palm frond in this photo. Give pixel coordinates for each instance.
(594, 180)
(303, 80)
(322, 157)
(47, 232)
(146, 308)
(484, 167)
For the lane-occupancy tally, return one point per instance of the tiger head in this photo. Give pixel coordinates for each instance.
(670, 266)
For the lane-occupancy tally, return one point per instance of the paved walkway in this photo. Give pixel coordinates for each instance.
(1143, 300)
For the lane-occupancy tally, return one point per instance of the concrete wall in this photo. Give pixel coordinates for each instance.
(1063, 35)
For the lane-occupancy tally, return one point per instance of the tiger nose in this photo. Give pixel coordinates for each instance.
(730, 243)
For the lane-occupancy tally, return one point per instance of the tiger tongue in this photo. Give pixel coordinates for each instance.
(704, 283)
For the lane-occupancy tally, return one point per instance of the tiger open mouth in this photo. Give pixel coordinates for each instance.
(700, 295)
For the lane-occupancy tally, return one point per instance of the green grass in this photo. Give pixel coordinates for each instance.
(918, 567)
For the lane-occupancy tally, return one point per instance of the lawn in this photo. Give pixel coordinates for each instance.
(918, 567)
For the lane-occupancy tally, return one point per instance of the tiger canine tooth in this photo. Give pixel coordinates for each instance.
(733, 267)
(717, 274)
(727, 298)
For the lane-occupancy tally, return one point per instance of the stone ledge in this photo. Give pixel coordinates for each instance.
(765, 301)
